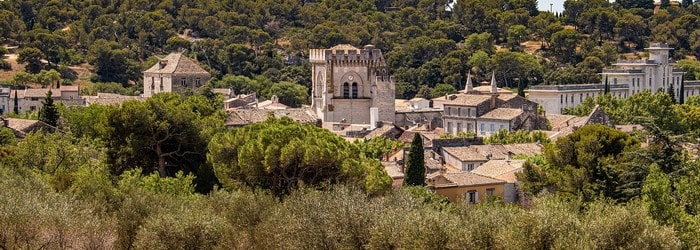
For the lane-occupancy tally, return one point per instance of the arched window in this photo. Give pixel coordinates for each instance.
(346, 90)
(354, 90)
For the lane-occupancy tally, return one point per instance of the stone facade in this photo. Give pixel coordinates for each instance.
(351, 85)
(174, 73)
(656, 73)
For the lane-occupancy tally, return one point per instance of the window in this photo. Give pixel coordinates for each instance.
(615, 80)
(580, 98)
(153, 86)
(561, 99)
(197, 82)
(459, 113)
(459, 127)
(183, 81)
(469, 127)
(470, 167)
(572, 99)
(469, 112)
(472, 196)
(483, 128)
(649, 82)
(35, 98)
(489, 191)
(32, 108)
(501, 127)
(354, 90)
(448, 111)
(492, 128)
(346, 90)
(449, 127)
(161, 84)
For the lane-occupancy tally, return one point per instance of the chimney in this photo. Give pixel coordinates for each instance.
(162, 63)
(508, 156)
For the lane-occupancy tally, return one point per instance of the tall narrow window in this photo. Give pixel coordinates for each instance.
(197, 82)
(346, 90)
(183, 81)
(354, 90)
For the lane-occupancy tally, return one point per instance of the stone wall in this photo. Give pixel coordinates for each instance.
(407, 118)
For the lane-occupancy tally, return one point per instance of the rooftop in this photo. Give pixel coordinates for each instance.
(492, 151)
(500, 169)
(502, 114)
(242, 117)
(460, 179)
(176, 63)
(467, 100)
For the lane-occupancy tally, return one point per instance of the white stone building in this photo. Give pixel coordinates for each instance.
(629, 77)
(351, 85)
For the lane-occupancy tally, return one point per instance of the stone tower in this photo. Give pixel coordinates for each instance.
(351, 85)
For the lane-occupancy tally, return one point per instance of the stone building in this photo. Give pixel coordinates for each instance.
(487, 113)
(351, 85)
(174, 73)
(31, 100)
(656, 73)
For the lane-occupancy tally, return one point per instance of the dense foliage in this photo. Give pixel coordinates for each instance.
(428, 44)
(280, 155)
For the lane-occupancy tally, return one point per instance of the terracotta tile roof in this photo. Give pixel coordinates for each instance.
(461, 179)
(500, 169)
(70, 88)
(23, 126)
(392, 169)
(386, 130)
(507, 97)
(110, 99)
(271, 105)
(487, 89)
(176, 63)
(502, 114)
(241, 117)
(468, 100)
(495, 151)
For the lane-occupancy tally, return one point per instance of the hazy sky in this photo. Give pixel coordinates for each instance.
(557, 5)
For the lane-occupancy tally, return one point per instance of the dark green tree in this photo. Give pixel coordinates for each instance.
(672, 93)
(415, 164)
(681, 99)
(16, 104)
(49, 113)
(607, 86)
(280, 155)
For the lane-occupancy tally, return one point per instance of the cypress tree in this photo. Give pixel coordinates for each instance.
(681, 99)
(672, 93)
(415, 164)
(607, 86)
(49, 112)
(16, 109)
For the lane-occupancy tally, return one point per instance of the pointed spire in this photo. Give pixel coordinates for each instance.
(468, 86)
(494, 89)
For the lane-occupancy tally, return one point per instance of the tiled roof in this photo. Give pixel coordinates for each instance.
(176, 63)
(271, 105)
(241, 117)
(502, 114)
(461, 179)
(344, 47)
(469, 100)
(500, 169)
(495, 151)
(69, 88)
(110, 99)
(24, 126)
(392, 169)
(387, 130)
(487, 89)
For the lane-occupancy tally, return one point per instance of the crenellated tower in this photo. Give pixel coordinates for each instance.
(351, 85)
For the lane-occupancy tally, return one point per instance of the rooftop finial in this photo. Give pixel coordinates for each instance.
(469, 87)
(494, 89)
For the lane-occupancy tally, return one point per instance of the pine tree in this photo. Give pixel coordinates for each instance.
(16, 109)
(49, 112)
(415, 165)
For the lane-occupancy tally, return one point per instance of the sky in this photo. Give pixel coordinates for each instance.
(557, 5)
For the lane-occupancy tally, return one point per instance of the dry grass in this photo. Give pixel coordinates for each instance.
(6, 76)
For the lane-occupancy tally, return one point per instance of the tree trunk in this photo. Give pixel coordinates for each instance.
(161, 162)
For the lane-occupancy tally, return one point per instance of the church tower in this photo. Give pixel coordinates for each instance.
(351, 85)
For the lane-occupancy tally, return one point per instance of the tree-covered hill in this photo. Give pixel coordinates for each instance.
(427, 42)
